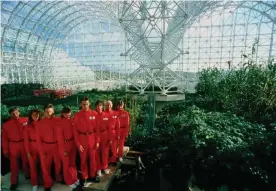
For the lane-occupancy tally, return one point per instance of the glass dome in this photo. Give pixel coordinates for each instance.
(102, 44)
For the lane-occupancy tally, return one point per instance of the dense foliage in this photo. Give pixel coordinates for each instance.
(13, 90)
(249, 91)
(214, 148)
(224, 134)
(209, 143)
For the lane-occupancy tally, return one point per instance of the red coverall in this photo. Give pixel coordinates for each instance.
(124, 130)
(31, 147)
(48, 149)
(66, 143)
(13, 145)
(103, 150)
(114, 133)
(86, 134)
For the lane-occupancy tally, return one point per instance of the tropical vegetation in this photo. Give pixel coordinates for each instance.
(224, 134)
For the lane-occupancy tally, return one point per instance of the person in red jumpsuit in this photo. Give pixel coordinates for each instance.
(67, 148)
(47, 146)
(13, 145)
(124, 128)
(86, 134)
(103, 150)
(31, 146)
(114, 133)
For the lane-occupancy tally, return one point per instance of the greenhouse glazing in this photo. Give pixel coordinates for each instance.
(88, 44)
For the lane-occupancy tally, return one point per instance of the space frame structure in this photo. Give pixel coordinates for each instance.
(146, 46)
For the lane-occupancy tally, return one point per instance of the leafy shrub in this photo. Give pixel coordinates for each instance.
(219, 148)
(249, 91)
(13, 90)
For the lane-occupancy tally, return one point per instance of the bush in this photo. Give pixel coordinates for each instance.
(217, 148)
(249, 92)
(14, 90)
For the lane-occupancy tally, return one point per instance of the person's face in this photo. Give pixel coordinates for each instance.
(35, 116)
(15, 114)
(99, 108)
(108, 106)
(120, 107)
(49, 112)
(66, 115)
(85, 105)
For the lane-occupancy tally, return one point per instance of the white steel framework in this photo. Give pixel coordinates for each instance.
(153, 45)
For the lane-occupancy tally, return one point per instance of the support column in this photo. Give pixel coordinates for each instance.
(156, 102)
(151, 110)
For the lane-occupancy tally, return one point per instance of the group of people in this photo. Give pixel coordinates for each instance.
(38, 140)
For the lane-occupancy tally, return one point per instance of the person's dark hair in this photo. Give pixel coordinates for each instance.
(99, 102)
(30, 119)
(47, 106)
(65, 109)
(84, 99)
(12, 109)
(121, 102)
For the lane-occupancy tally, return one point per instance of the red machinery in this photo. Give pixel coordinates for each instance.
(59, 93)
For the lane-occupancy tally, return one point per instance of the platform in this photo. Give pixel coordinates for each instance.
(106, 180)
(166, 98)
(25, 185)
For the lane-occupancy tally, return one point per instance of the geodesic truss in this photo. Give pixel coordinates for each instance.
(32, 32)
(155, 43)
(155, 30)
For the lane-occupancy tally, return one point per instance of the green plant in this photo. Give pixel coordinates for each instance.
(219, 148)
(249, 91)
(13, 90)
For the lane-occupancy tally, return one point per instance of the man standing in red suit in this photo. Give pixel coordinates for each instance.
(86, 134)
(124, 128)
(67, 148)
(103, 150)
(31, 146)
(13, 145)
(47, 146)
(114, 133)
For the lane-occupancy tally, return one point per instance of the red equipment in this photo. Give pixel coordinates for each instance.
(59, 93)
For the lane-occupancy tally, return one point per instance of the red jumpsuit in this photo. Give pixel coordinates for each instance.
(86, 134)
(31, 147)
(48, 149)
(114, 133)
(13, 145)
(66, 143)
(124, 130)
(103, 150)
